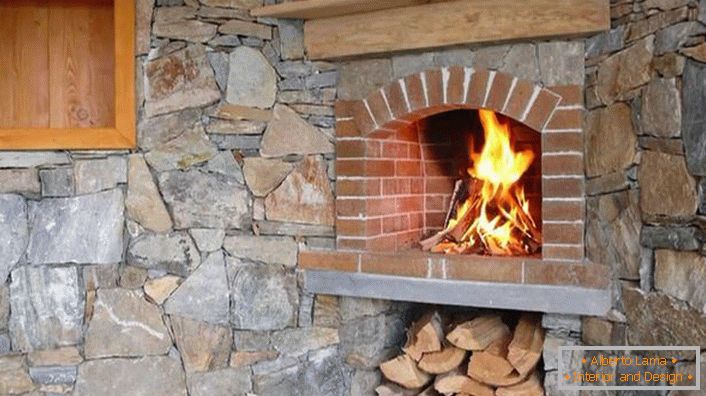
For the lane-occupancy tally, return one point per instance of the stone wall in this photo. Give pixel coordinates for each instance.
(646, 167)
(172, 268)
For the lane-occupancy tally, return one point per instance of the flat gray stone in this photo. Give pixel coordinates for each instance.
(143, 202)
(364, 382)
(29, 159)
(291, 38)
(661, 108)
(124, 324)
(406, 64)
(561, 62)
(99, 174)
(224, 164)
(20, 181)
(358, 78)
(207, 239)
(190, 148)
(157, 131)
(606, 42)
(682, 275)
(143, 24)
(288, 133)
(4, 344)
(226, 382)
(53, 375)
(57, 182)
(220, 63)
(269, 250)
(14, 232)
(299, 341)
(4, 306)
(264, 297)
(188, 30)
(204, 295)
(675, 238)
(674, 37)
(180, 80)
(612, 228)
(174, 253)
(368, 341)
(46, 308)
(694, 117)
(252, 81)
(156, 376)
(521, 61)
(86, 230)
(326, 373)
(202, 200)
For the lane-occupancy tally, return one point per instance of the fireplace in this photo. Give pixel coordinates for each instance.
(401, 152)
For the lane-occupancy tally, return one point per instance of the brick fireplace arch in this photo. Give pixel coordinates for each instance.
(383, 191)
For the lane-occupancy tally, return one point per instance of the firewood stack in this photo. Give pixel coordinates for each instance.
(479, 357)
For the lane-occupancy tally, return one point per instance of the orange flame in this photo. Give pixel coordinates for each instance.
(495, 216)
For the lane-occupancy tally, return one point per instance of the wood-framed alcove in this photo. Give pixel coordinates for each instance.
(67, 74)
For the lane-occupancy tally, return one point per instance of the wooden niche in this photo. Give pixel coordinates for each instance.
(67, 74)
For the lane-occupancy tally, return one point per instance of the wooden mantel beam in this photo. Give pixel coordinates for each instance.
(451, 23)
(312, 9)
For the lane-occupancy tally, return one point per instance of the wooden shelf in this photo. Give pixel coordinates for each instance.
(313, 9)
(67, 74)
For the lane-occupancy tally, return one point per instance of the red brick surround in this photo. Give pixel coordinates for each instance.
(386, 191)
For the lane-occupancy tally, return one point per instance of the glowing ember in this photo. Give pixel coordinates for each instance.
(490, 214)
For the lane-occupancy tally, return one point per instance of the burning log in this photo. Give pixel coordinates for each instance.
(488, 212)
(479, 333)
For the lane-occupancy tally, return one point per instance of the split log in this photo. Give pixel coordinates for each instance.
(479, 333)
(456, 382)
(529, 387)
(492, 370)
(390, 389)
(402, 370)
(443, 361)
(425, 335)
(497, 365)
(526, 347)
(499, 346)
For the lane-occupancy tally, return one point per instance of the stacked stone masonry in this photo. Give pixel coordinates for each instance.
(173, 269)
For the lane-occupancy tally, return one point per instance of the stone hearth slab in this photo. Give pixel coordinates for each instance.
(523, 283)
(572, 300)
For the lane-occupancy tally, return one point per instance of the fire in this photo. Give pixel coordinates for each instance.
(494, 217)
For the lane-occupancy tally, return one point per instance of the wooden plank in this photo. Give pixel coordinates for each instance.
(24, 87)
(451, 23)
(311, 9)
(69, 138)
(124, 42)
(82, 66)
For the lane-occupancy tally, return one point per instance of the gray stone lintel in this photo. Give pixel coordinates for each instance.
(525, 297)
